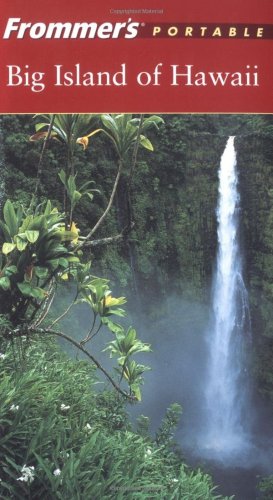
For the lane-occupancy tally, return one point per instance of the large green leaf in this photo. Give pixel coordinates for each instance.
(31, 291)
(67, 236)
(8, 247)
(144, 141)
(130, 337)
(62, 176)
(10, 218)
(113, 327)
(32, 236)
(152, 121)
(5, 283)
(41, 272)
(10, 270)
(109, 122)
(5, 230)
(48, 208)
(63, 262)
(38, 126)
(136, 390)
(27, 222)
(21, 242)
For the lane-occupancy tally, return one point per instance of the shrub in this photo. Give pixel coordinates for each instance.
(60, 439)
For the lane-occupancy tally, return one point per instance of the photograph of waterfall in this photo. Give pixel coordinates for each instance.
(227, 390)
(136, 296)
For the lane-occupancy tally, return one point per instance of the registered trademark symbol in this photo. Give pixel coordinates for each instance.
(143, 24)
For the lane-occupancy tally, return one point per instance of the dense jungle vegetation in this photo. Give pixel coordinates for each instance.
(158, 240)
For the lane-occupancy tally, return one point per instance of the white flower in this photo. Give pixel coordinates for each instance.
(148, 453)
(64, 408)
(57, 472)
(174, 480)
(27, 474)
(88, 428)
(14, 408)
(2, 356)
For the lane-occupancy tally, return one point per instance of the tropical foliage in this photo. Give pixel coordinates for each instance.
(60, 439)
(123, 131)
(40, 249)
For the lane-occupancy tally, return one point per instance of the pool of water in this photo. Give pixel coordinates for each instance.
(236, 473)
(237, 481)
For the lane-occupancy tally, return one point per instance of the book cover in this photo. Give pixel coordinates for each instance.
(136, 250)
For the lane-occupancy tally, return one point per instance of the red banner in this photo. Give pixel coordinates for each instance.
(184, 57)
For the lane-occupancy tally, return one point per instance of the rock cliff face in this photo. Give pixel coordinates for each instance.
(255, 157)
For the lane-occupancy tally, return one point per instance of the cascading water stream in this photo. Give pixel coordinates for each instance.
(226, 390)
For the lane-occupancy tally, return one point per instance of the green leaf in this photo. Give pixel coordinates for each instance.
(109, 122)
(38, 293)
(38, 126)
(76, 196)
(19, 215)
(72, 259)
(131, 335)
(21, 242)
(144, 141)
(68, 235)
(5, 283)
(71, 185)
(41, 272)
(53, 263)
(87, 184)
(29, 291)
(5, 230)
(27, 222)
(25, 288)
(136, 390)
(32, 236)
(63, 262)
(10, 270)
(118, 312)
(62, 176)
(152, 121)
(10, 218)
(90, 195)
(113, 327)
(8, 247)
(48, 208)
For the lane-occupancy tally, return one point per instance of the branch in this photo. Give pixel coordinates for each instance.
(76, 344)
(65, 312)
(132, 169)
(133, 165)
(135, 152)
(110, 239)
(101, 219)
(91, 329)
(90, 336)
(45, 306)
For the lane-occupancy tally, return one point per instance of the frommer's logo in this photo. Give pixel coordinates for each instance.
(17, 29)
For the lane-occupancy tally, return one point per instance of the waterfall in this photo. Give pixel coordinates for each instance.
(226, 390)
